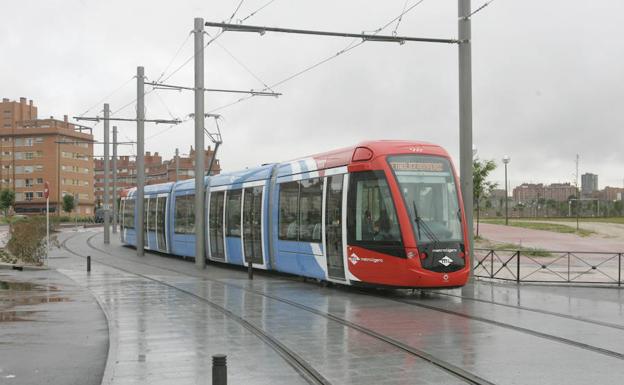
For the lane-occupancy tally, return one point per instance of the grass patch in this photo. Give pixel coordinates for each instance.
(530, 251)
(533, 225)
(616, 220)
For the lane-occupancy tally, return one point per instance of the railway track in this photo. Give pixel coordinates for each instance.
(301, 365)
(423, 355)
(293, 359)
(533, 310)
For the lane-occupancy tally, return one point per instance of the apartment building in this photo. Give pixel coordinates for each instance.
(530, 192)
(156, 171)
(33, 151)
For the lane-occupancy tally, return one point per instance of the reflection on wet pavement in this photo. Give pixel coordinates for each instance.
(49, 332)
(164, 332)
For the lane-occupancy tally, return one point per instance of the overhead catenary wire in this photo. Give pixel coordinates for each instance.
(240, 63)
(479, 9)
(396, 27)
(99, 102)
(256, 11)
(213, 39)
(175, 56)
(352, 45)
(236, 10)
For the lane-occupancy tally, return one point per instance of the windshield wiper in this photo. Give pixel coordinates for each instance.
(419, 222)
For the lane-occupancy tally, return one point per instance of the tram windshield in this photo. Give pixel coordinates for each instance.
(428, 188)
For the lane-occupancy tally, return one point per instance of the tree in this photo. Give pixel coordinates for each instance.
(482, 188)
(68, 203)
(7, 200)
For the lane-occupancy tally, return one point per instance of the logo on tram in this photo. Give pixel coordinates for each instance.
(354, 259)
(446, 261)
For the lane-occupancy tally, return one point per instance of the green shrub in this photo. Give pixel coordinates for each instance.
(27, 240)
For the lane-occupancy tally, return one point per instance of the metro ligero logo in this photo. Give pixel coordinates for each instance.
(354, 259)
(446, 261)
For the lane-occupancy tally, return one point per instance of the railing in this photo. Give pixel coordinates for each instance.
(572, 267)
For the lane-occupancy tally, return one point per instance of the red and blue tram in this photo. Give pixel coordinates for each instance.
(382, 213)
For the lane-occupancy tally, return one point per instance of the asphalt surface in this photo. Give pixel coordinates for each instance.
(166, 326)
(52, 331)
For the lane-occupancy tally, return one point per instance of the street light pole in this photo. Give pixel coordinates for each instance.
(506, 160)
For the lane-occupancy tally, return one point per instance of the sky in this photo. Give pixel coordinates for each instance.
(548, 79)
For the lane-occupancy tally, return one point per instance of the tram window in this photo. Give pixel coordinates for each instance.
(152, 215)
(289, 211)
(252, 224)
(233, 213)
(160, 219)
(310, 206)
(145, 213)
(128, 214)
(372, 221)
(184, 222)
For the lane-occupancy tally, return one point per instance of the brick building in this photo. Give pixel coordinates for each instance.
(34, 150)
(609, 194)
(530, 192)
(156, 171)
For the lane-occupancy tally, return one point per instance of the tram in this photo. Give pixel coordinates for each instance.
(381, 213)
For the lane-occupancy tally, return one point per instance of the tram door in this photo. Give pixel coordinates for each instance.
(215, 220)
(252, 225)
(146, 202)
(161, 204)
(333, 227)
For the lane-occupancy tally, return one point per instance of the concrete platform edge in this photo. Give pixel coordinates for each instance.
(111, 356)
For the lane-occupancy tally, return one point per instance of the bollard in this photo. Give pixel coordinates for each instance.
(250, 270)
(88, 263)
(219, 369)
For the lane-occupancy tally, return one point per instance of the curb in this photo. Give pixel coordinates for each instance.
(10, 266)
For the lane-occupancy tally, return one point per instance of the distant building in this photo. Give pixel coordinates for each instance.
(530, 192)
(33, 151)
(609, 194)
(589, 184)
(156, 171)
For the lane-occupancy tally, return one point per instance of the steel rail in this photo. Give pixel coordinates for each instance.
(535, 333)
(521, 329)
(444, 365)
(293, 359)
(533, 310)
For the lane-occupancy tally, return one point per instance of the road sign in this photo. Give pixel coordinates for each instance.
(46, 190)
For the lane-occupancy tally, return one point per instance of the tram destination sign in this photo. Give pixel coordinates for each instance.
(414, 165)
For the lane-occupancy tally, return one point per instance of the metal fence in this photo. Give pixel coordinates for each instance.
(572, 267)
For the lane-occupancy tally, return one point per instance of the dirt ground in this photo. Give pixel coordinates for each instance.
(608, 237)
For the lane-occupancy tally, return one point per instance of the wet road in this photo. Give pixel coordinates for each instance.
(51, 330)
(558, 335)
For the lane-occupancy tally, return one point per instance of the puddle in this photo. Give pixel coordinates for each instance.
(14, 294)
(16, 316)
(18, 286)
(25, 286)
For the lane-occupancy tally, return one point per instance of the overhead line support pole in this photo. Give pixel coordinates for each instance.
(106, 174)
(115, 195)
(140, 160)
(199, 144)
(465, 119)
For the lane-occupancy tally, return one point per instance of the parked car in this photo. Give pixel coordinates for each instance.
(99, 216)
